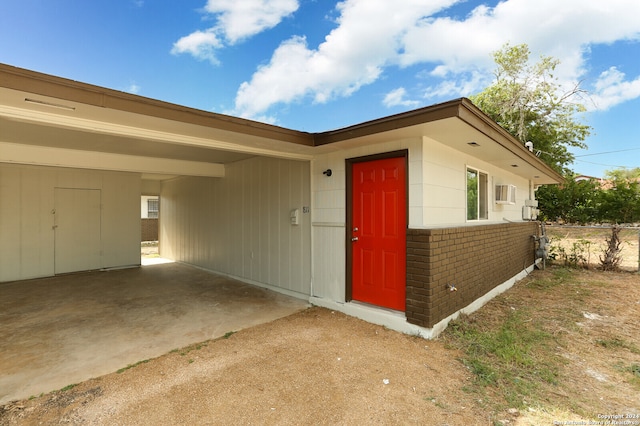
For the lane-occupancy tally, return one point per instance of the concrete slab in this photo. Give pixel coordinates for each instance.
(63, 330)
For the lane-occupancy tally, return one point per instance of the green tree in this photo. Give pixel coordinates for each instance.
(527, 100)
(571, 202)
(586, 201)
(621, 203)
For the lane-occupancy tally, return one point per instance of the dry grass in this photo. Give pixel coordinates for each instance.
(561, 345)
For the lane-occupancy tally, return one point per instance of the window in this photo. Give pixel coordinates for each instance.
(152, 208)
(505, 194)
(477, 202)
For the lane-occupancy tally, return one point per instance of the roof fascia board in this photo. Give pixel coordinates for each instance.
(393, 122)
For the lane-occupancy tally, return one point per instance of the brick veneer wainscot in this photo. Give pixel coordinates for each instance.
(149, 230)
(474, 259)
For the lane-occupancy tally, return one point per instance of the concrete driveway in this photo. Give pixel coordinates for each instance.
(63, 330)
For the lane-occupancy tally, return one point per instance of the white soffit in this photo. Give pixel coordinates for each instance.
(456, 134)
(52, 112)
(72, 158)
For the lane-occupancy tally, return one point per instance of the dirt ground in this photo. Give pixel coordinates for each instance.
(322, 367)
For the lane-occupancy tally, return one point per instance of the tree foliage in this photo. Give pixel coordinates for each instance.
(587, 201)
(571, 202)
(623, 173)
(527, 101)
(621, 203)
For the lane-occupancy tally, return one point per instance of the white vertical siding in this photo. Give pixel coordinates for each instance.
(329, 261)
(26, 219)
(239, 225)
(26, 234)
(120, 219)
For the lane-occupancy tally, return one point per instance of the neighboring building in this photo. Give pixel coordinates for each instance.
(149, 207)
(149, 212)
(581, 178)
(605, 184)
(402, 221)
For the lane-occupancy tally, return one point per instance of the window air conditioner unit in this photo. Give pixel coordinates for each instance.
(505, 194)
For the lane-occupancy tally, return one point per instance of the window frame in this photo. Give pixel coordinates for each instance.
(482, 194)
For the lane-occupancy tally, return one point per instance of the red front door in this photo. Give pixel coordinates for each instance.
(378, 233)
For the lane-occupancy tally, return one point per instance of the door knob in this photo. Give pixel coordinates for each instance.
(354, 239)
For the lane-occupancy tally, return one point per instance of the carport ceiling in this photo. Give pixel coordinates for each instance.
(58, 137)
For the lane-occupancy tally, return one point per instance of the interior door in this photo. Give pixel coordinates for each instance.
(77, 230)
(378, 234)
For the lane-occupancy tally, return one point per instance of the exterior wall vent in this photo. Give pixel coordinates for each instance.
(505, 194)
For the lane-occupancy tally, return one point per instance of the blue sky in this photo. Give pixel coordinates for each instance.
(317, 65)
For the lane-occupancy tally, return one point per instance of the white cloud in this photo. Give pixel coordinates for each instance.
(354, 54)
(461, 85)
(397, 97)
(611, 89)
(239, 19)
(373, 35)
(562, 29)
(133, 88)
(235, 21)
(200, 44)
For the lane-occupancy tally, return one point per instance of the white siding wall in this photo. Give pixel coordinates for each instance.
(239, 225)
(120, 219)
(26, 219)
(437, 197)
(444, 190)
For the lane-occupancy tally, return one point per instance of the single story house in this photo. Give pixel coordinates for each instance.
(404, 221)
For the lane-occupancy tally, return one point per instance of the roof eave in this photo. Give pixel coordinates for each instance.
(74, 91)
(473, 116)
(70, 90)
(461, 108)
(398, 121)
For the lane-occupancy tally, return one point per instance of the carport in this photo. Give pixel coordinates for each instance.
(74, 161)
(62, 330)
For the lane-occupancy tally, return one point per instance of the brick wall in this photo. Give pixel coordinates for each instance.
(475, 259)
(149, 230)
